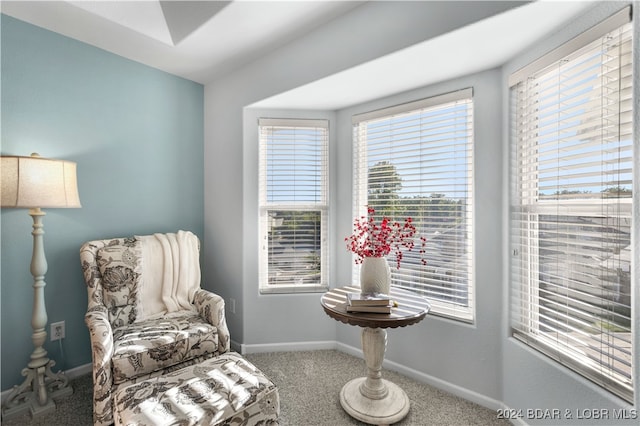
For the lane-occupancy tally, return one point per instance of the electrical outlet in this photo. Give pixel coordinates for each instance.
(232, 305)
(57, 331)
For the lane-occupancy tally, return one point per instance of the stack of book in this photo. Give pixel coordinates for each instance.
(372, 303)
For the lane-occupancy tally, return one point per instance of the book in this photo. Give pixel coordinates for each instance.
(380, 309)
(375, 299)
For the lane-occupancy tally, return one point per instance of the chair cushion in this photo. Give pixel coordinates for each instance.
(224, 390)
(156, 344)
(119, 265)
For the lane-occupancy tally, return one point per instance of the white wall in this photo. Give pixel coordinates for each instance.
(367, 32)
(282, 321)
(467, 356)
(477, 361)
(531, 381)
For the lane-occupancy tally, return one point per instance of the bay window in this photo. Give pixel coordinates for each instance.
(416, 160)
(571, 212)
(293, 205)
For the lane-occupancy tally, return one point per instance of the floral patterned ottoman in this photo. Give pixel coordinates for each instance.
(224, 390)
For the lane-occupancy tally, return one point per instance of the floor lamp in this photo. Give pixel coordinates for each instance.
(34, 183)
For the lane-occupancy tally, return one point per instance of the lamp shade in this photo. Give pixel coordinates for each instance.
(32, 182)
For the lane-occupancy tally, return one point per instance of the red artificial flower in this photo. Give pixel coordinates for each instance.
(370, 239)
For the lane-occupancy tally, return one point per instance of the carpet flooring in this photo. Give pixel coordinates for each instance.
(309, 383)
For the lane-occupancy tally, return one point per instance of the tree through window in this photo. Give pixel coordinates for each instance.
(416, 160)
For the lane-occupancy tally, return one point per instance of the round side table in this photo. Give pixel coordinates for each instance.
(372, 399)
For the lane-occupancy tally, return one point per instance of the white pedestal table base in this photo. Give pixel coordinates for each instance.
(372, 399)
(390, 409)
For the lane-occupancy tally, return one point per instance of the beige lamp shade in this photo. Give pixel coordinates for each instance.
(32, 182)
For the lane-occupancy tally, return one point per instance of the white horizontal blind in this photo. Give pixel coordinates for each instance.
(293, 205)
(416, 160)
(571, 220)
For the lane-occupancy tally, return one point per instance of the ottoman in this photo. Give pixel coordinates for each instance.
(223, 390)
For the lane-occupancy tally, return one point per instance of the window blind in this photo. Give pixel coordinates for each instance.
(293, 204)
(415, 160)
(571, 220)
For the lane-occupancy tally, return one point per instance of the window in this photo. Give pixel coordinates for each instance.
(416, 160)
(571, 213)
(293, 205)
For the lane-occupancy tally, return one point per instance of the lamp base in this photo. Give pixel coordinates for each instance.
(37, 392)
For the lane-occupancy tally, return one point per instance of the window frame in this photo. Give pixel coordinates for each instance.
(360, 197)
(527, 304)
(321, 206)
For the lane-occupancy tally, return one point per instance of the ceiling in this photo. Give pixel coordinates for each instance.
(203, 40)
(197, 40)
(414, 65)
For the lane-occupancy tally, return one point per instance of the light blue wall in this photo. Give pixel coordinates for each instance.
(106, 113)
(136, 135)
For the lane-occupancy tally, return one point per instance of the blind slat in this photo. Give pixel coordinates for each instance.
(617, 20)
(293, 197)
(415, 160)
(571, 220)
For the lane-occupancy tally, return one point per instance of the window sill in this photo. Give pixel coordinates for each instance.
(285, 289)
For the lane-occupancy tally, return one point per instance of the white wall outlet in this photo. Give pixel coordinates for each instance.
(232, 306)
(57, 330)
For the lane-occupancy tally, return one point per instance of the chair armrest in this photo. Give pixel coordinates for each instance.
(101, 334)
(211, 307)
(91, 273)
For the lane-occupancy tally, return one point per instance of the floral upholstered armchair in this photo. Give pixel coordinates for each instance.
(147, 314)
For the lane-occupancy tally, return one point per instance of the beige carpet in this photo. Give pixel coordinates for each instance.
(309, 384)
(312, 397)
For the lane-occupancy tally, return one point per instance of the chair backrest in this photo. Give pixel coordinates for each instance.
(139, 277)
(112, 270)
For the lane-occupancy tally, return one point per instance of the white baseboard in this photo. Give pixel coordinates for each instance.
(78, 371)
(421, 377)
(235, 346)
(467, 394)
(288, 347)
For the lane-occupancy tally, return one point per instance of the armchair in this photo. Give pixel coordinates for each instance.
(147, 315)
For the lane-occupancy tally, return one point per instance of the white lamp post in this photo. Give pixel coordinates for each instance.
(34, 183)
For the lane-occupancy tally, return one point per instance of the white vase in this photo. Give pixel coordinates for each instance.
(375, 275)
